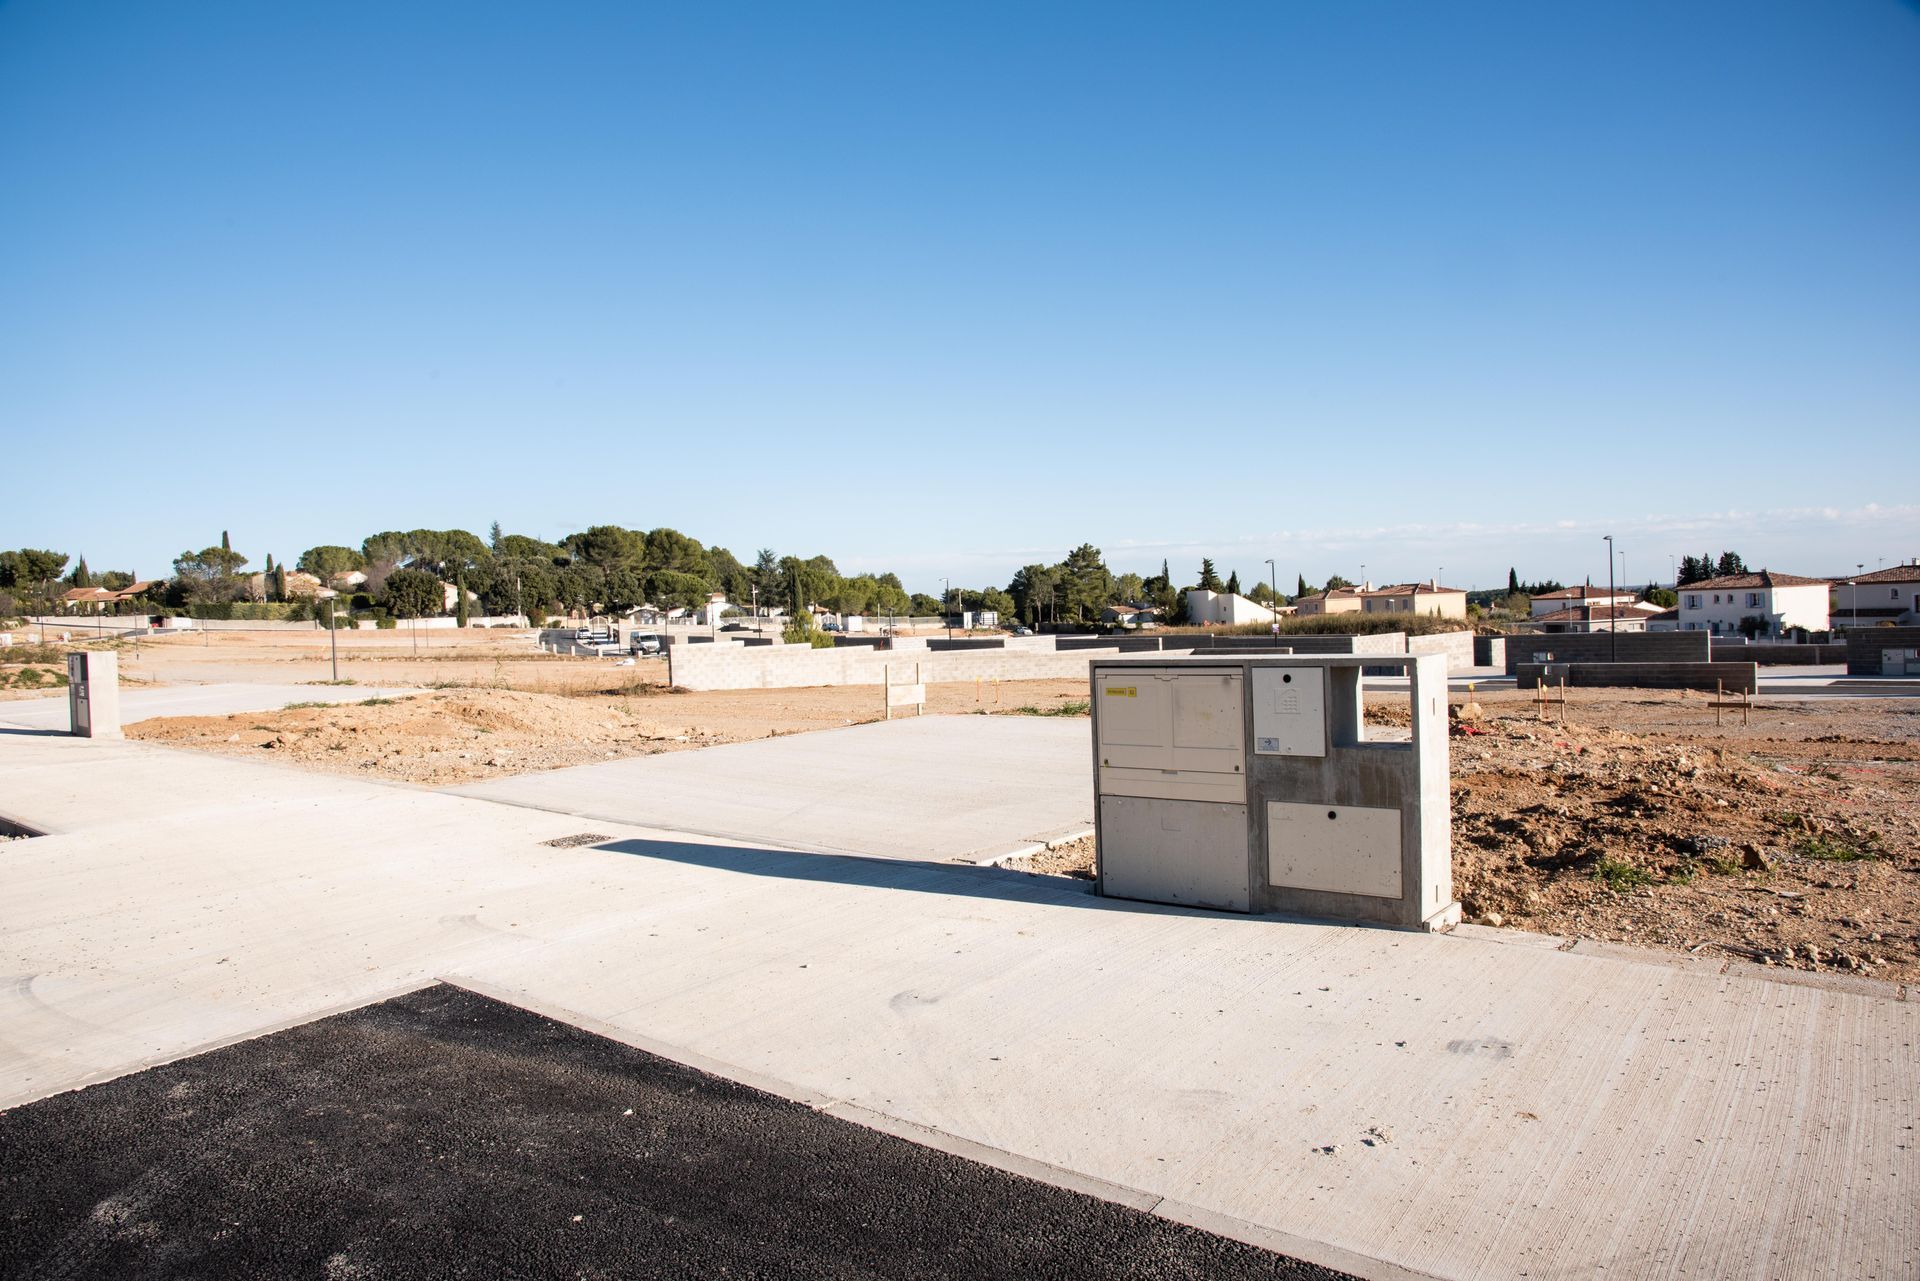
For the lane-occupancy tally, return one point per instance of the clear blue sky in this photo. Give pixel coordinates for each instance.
(950, 289)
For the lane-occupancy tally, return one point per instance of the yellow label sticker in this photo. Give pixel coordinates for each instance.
(1121, 691)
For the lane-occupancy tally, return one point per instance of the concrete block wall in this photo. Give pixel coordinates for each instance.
(1457, 646)
(1782, 655)
(1735, 678)
(795, 666)
(1489, 651)
(1635, 647)
(1865, 645)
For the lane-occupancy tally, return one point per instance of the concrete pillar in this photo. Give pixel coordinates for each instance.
(93, 693)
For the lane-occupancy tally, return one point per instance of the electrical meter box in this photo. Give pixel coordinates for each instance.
(93, 693)
(1254, 784)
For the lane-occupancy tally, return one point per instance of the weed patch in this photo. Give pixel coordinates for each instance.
(1064, 709)
(1621, 876)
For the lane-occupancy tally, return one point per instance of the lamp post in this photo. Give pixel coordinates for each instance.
(756, 609)
(1613, 617)
(946, 603)
(333, 638)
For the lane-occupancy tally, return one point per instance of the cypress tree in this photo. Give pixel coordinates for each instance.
(1513, 580)
(225, 546)
(460, 597)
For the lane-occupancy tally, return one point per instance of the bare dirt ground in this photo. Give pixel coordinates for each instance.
(1793, 841)
(457, 735)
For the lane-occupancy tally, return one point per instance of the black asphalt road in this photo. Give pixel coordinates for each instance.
(445, 1135)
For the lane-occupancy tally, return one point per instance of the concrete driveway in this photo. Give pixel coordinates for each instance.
(137, 704)
(1479, 1105)
(973, 788)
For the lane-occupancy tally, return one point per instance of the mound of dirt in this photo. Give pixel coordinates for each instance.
(1798, 850)
(453, 736)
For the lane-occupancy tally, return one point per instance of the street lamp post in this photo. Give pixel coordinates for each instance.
(946, 603)
(1613, 615)
(333, 638)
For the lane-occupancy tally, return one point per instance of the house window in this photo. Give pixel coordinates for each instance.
(1753, 600)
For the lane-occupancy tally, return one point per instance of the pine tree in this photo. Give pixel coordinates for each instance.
(1209, 580)
(82, 576)
(493, 538)
(1233, 583)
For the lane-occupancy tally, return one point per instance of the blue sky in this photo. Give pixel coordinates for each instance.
(950, 289)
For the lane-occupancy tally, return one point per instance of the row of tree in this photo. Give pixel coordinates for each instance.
(1697, 569)
(611, 569)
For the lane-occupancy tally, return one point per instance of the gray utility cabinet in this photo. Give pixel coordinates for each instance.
(1254, 785)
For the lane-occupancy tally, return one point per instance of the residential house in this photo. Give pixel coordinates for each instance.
(1884, 596)
(1429, 599)
(99, 600)
(1578, 598)
(300, 586)
(1781, 603)
(1224, 609)
(1604, 618)
(1341, 600)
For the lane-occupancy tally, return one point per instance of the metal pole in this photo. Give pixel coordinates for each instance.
(333, 638)
(1613, 614)
(1273, 585)
(946, 603)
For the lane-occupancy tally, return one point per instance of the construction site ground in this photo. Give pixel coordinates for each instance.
(1627, 816)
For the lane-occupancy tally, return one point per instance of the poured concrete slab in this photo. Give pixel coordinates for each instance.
(1460, 1107)
(137, 704)
(928, 787)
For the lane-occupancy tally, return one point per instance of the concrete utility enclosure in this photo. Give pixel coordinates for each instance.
(93, 693)
(1253, 785)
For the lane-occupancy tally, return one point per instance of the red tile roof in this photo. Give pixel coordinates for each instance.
(1765, 578)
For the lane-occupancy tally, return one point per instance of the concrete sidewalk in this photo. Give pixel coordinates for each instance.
(972, 788)
(138, 704)
(1459, 1106)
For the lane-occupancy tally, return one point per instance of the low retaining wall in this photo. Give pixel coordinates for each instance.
(1457, 646)
(1735, 678)
(794, 666)
(1598, 647)
(1782, 655)
(1866, 648)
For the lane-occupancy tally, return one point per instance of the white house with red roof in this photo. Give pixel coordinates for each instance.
(1883, 596)
(1782, 602)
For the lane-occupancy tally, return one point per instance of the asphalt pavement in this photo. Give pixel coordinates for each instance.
(442, 1134)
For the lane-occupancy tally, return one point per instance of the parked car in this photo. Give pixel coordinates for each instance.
(1021, 630)
(643, 643)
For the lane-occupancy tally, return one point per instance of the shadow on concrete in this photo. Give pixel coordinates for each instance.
(34, 733)
(910, 876)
